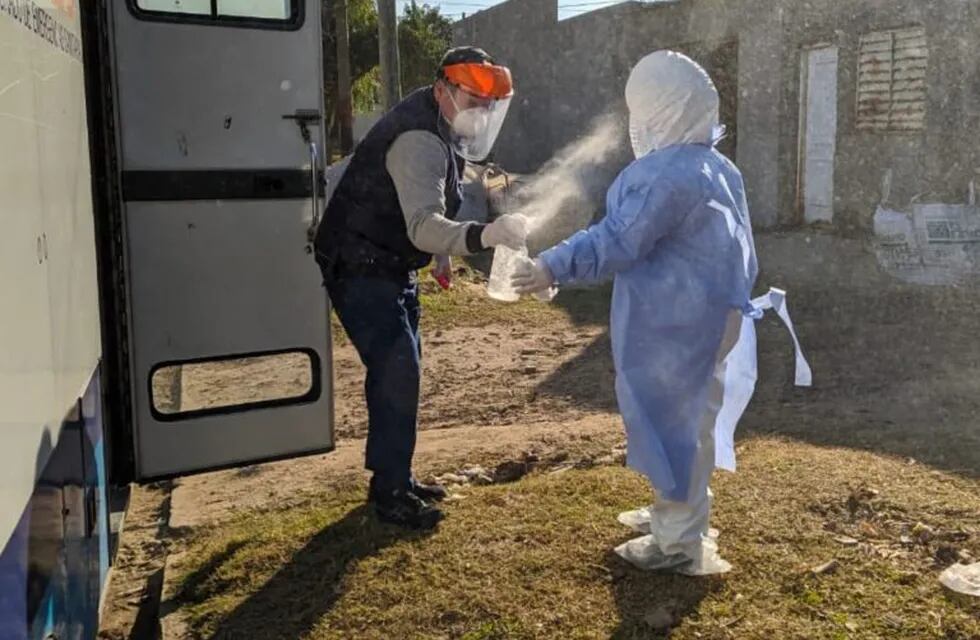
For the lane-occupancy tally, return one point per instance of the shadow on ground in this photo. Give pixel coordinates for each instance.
(650, 603)
(283, 608)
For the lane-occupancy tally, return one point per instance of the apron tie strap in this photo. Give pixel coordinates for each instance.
(776, 300)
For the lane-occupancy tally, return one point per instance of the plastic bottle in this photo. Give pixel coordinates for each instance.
(505, 262)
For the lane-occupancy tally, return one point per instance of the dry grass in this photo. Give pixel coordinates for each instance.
(532, 560)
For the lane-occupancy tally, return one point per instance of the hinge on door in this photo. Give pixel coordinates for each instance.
(304, 118)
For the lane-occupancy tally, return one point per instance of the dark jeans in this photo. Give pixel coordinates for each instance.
(381, 317)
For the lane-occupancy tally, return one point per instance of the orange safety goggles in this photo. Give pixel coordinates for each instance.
(483, 80)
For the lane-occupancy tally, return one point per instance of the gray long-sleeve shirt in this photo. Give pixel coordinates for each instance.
(417, 164)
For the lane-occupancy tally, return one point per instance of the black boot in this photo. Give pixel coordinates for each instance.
(429, 492)
(405, 509)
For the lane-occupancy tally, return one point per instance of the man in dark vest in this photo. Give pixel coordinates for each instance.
(391, 212)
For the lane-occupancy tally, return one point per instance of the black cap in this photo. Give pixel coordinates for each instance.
(462, 55)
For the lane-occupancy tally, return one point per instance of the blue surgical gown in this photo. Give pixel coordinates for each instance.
(678, 240)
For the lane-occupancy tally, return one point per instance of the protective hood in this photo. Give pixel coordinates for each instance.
(671, 100)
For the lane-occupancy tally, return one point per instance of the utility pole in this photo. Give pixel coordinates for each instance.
(388, 52)
(345, 106)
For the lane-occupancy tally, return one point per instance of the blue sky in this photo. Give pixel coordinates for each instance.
(455, 8)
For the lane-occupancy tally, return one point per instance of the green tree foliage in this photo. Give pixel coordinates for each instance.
(424, 34)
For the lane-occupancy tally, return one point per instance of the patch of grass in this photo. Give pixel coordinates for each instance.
(811, 598)
(497, 630)
(533, 560)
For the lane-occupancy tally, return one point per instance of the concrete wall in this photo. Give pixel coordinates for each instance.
(938, 162)
(569, 72)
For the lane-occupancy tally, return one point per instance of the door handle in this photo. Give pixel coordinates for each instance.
(304, 118)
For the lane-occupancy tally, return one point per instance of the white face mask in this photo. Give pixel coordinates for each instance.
(474, 130)
(468, 123)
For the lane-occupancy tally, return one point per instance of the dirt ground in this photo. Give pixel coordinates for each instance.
(895, 376)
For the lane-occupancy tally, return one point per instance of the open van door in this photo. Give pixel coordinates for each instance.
(219, 108)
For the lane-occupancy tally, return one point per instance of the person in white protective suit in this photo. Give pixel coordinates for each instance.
(678, 239)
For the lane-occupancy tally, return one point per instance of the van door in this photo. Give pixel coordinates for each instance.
(218, 107)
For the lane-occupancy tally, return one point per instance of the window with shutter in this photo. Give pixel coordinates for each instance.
(892, 69)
